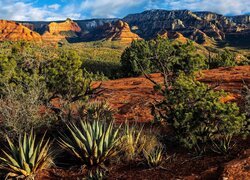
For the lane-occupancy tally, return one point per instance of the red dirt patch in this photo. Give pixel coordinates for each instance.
(131, 97)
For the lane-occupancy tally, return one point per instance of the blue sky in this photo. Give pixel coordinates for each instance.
(49, 10)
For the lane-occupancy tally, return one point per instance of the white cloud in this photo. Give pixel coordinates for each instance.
(108, 8)
(20, 11)
(233, 7)
(54, 6)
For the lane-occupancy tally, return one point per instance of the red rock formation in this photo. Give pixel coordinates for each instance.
(11, 31)
(121, 32)
(50, 38)
(68, 25)
(55, 30)
(174, 36)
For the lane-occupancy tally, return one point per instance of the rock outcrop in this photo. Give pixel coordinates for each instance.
(238, 168)
(12, 31)
(199, 26)
(117, 31)
(68, 25)
(174, 36)
(59, 31)
(121, 32)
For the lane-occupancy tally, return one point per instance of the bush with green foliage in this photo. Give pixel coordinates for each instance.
(93, 143)
(144, 57)
(98, 110)
(222, 59)
(64, 76)
(197, 114)
(25, 159)
(246, 93)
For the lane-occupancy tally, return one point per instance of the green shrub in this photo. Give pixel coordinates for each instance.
(26, 158)
(246, 95)
(222, 59)
(99, 110)
(93, 143)
(64, 76)
(197, 114)
(144, 57)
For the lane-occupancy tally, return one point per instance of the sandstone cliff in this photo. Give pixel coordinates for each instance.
(13, 31)
(203, 27)
(121, 32)
(58, 31)
(68, 25)
(117, 31)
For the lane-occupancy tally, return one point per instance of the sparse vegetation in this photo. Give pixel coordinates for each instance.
(24, 159)
(154, 158)
(93, 143)
(51, 89)
(197, 114)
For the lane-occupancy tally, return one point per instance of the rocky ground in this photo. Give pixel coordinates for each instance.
(131, 98)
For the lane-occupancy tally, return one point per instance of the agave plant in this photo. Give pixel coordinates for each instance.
(93, 142)
(154, 158)
(97, 174)
(26, 158)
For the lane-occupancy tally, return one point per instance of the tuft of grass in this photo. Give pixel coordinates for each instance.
(223, 145)
(133, 141)
(154, 158)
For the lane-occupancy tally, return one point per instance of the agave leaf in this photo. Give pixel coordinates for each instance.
(11, 159)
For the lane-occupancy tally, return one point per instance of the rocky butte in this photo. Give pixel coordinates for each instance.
(115, 31)
(58, 31)
(13, 31)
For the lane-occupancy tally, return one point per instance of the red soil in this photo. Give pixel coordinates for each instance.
(131, 97)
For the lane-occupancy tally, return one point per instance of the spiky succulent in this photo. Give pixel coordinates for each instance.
(27, 157)
(154, 158)
(97, 174)
(92, 142)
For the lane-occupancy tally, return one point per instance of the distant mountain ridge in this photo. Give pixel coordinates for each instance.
(203, 27)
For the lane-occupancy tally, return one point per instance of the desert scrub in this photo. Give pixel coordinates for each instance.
(21, 109)
(98, 110)
(27, 157)
(197, 115)
(246, 93)
(134, 139)
(153, 158)
(160, 55)
(93, 143)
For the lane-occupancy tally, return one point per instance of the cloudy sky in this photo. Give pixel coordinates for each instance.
(85, 9)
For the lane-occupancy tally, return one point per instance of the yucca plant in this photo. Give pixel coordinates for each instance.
(223, 145)
(25, 159)
(154, 158)
(97, 174)
(133, 141)
(92, 142)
